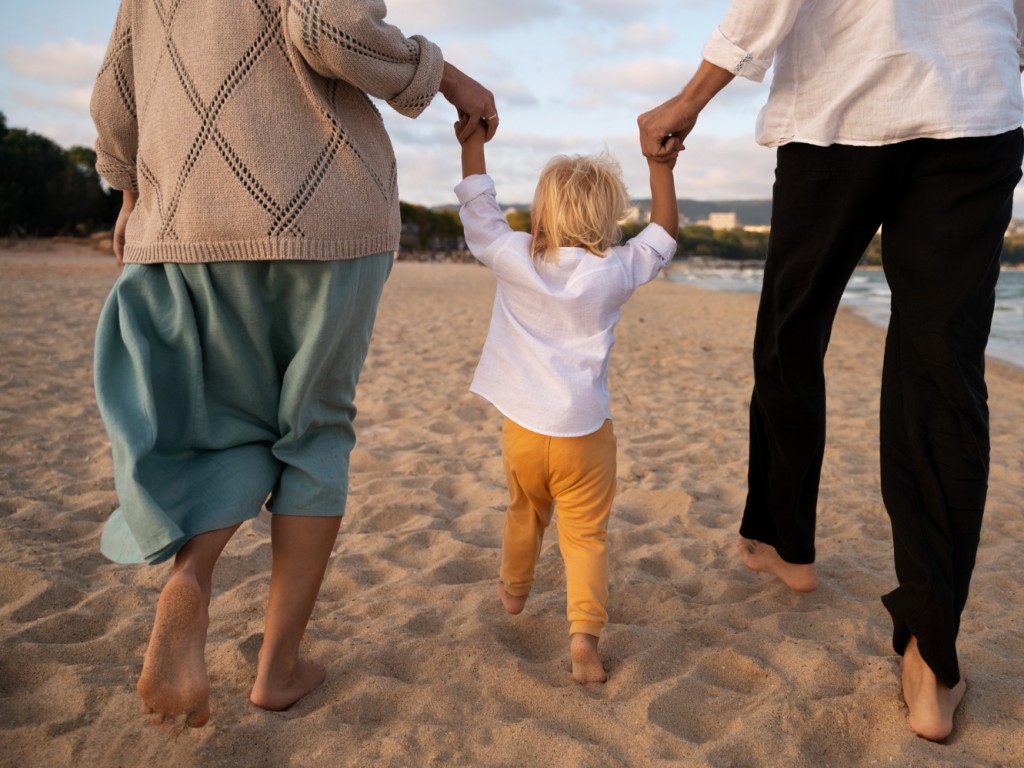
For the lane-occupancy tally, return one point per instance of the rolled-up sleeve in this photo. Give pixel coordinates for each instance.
(645, 255)
(350, 41)
(746, 40)
(483, 223)
(113, 109)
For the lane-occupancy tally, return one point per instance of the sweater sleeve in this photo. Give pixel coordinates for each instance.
(113, 108)
(349, 40)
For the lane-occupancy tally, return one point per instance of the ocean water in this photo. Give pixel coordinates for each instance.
(868, 295)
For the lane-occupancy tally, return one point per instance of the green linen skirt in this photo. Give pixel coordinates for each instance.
(226, 385)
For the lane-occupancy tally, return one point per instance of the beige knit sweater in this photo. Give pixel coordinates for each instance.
(246, 127)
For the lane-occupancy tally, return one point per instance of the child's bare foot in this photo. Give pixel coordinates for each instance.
(173, 682)
(758, 556)
(931, 703)
(279, 691)
(586, 664)
(513, 604)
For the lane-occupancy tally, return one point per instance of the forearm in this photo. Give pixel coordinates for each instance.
(474, 161)
(664, 205)
(705, 84)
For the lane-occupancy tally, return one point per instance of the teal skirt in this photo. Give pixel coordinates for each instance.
(228, 385)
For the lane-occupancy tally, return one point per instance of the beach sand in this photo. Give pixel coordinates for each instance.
(710, 664)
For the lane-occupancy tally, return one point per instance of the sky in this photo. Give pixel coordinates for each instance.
(569, 76)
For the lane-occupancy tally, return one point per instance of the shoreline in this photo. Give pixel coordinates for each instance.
(872, 313)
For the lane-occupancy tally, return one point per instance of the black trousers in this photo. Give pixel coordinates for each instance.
(943, 206)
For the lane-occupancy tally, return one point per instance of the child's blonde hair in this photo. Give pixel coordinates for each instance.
(579, 202)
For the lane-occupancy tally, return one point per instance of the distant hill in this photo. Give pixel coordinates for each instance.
(752, 212)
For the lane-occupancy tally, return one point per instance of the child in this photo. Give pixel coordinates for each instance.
(257, 229)
(544, 364)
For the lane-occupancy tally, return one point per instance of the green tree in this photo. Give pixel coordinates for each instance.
(45, 190)
(425, 229)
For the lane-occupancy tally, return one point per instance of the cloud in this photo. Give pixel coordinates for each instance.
(731, 167)
(614, 9)
(647, 36)
(417, 16)
(68, 62)
(648, 80)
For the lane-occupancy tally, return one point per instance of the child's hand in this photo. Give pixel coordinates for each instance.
(473, 160)
(477, 134)
(667, 161)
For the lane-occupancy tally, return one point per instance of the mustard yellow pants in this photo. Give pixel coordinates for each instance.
(576, 475)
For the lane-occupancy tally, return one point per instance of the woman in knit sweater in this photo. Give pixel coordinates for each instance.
(258, 226)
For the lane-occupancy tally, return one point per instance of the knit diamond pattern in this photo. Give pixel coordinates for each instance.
(238, 136)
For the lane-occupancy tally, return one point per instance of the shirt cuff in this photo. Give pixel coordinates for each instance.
(722, 52)
(425, 83)
(660, 240)
(473, 186)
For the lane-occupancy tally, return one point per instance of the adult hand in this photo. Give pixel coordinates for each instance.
(664, 129)
(128, 200)
(471, 99)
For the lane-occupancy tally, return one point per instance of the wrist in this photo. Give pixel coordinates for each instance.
(448, 77)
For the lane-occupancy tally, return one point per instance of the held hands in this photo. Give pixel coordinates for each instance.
(663, 130)
(466, 130)
(470, 99)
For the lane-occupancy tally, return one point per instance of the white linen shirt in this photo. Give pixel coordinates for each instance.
(544, 364)
(873, 72)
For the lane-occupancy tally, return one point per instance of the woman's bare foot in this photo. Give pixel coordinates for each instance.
(173, 682)
(764, 558)
(278, 692)
(931, 703)
(586, 664)
(513, 604)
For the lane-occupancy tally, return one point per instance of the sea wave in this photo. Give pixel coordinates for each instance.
(868, 294)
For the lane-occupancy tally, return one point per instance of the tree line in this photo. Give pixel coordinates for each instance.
(46, 190)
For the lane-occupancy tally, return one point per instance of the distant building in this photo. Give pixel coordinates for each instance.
(757, 228)
(722, 220)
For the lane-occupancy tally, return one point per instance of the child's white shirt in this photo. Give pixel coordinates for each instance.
(544, 364)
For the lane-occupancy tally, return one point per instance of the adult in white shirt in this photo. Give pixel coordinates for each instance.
(905, 115)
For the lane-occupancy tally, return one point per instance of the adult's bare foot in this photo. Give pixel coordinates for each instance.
(173, 682)
(279, 691)
(764, 558)
(513, 604)
(931, 703)
(586, 664)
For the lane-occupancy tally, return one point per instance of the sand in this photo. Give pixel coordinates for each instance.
(710, 664)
